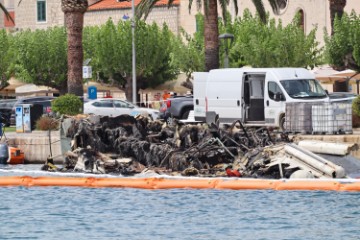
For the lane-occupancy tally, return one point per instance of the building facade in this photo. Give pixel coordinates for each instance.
(2, 17)
(41, 14)
(315, 13)
(98, 13)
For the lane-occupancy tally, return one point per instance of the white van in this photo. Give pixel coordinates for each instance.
(199, 95)
(255, 96)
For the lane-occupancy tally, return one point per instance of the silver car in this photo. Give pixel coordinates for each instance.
(113, 107)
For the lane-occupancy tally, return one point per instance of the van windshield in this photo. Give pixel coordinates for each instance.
(304, 88)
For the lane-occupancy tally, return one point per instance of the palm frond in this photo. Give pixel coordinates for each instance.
(260, 9)
(274, 5)
(144, 8)
(198, 4)
(236, 7)
(223, 5)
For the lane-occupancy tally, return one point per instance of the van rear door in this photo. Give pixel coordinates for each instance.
(199, 95)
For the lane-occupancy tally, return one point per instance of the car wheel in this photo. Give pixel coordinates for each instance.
(185, 115)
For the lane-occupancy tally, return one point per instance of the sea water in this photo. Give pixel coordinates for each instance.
(125, 213)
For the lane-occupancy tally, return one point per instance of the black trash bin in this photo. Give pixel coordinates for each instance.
(4, 153)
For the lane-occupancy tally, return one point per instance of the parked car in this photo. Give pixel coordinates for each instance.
(6, 106)
(177, 107)
(113, 107)
(45, 101)
(340, 96)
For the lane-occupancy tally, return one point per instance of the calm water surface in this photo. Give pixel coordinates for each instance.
(83, 213)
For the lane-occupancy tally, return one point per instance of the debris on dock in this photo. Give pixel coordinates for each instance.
(127, 145)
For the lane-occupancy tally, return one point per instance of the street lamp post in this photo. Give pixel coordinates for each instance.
(133, 24)
(228, 39)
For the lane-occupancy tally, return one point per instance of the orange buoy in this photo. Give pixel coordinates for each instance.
(16, 156)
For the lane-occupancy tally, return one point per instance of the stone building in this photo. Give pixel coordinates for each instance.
(313, 12)
(41, 14)
(101, 11)
(4, 21)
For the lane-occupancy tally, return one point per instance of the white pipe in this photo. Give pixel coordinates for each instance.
(316, 162)
(327, 147)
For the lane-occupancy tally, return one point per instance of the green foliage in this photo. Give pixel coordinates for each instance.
(110, 48)
(5, 56)
(41, 57)
(67, 104)
(271, 45)
(356, 106)
(188, 51)
(47, 123)
(343, 48)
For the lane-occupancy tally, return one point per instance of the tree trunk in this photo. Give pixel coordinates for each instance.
(128, 88)
(211, 34)
(336, 8)
(74, 21)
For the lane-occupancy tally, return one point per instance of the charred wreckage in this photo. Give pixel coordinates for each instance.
(128, 145)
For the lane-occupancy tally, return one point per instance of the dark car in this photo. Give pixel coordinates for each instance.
(45, 101)
(177, 107)
(6, 106)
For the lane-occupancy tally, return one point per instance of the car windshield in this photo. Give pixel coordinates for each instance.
(304, 88)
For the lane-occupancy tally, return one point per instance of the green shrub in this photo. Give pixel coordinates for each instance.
(47, 123)
(356, 106)
(68, 104)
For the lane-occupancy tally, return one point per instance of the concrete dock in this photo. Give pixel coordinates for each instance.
(37, 149)
(35, 145)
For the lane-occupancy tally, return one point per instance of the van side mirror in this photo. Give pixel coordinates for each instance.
(278, 97)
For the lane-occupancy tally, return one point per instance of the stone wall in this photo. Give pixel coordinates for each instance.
(187, 18)
(26, 16)
(35, 145)
(159, 15)
(1, 16)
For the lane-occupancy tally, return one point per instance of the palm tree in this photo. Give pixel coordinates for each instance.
(336, 9)
(211, 31)
(74, 21)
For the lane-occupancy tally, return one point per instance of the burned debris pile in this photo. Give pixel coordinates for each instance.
(130, 145)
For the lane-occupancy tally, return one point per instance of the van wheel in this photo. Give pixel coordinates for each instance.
(282, 124)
